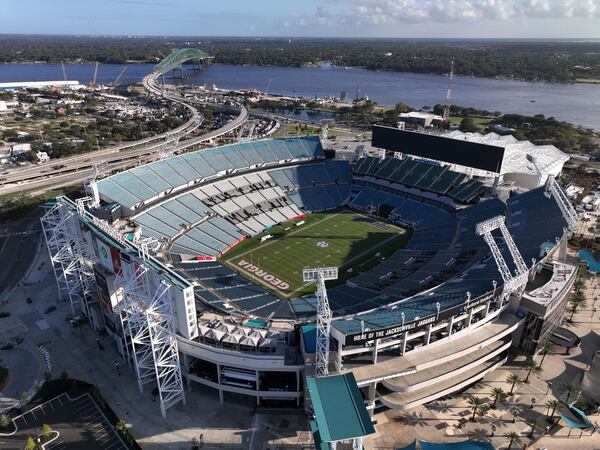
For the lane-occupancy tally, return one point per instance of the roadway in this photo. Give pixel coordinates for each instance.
(64, 172)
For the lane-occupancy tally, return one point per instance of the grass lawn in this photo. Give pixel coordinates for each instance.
(481, 122)
(345, 239)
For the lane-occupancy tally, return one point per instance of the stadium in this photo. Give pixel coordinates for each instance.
(430, 257)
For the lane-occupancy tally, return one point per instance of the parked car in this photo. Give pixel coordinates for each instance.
(49, 309)
(4, 314)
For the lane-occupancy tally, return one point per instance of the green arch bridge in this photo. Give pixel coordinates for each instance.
(177, 57)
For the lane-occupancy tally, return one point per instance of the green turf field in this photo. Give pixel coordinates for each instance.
(345, 239)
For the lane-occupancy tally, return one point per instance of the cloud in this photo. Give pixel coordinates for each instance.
(379, 12)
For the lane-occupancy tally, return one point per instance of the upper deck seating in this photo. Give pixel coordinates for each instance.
(133, 188)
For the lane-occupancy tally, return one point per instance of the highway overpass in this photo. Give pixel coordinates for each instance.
(68, 171)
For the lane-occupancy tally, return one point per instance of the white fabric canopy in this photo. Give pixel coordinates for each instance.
(249, 341)
(230, 339)
(215, 335)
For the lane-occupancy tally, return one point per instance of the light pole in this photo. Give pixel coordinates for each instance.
(532, 402)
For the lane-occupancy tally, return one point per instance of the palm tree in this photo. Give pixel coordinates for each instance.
(545, 348)
(477, 405)
(30, 444)
(531, 367)
(498, 394)
(552, 405)
(577, 301)
(534, 423)
(46, 430)
(569, 389)
(514, 380)
(578, 283)
(513, 439)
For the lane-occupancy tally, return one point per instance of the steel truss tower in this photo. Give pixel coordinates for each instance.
(319, 276)
(71, 256)
(512, 283)
(147, 318)
(555, 190)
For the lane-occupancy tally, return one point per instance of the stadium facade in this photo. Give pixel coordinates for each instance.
(485, 270)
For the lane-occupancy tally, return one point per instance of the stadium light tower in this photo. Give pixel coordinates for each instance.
(319, 275)
(555, 190)
(512, 283)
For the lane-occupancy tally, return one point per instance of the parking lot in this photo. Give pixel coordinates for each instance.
(80, 424)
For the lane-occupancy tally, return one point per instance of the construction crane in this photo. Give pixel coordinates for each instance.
(449, 93)
(123, 70)
(93, 85)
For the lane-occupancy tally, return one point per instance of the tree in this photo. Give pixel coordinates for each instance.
(30, 444)
(569, 389)
(513, 439)
(46, 430)
(552, 405)
(531, 367)
(534, 423)
(579, 283)
(515, 381)
(498, 394)
(477, 405)
(468, 125)
(4, 421)
(578, 301)
(545, 348)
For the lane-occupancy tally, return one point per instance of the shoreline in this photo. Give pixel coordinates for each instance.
(318, 67)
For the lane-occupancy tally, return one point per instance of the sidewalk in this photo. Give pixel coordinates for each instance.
(447, 420)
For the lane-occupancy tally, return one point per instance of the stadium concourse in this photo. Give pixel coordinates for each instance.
(482, 267)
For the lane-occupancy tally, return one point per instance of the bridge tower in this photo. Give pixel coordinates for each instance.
(319, 275)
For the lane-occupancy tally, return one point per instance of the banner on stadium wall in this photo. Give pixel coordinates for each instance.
(206, 258)
(104, 254)
(415, 325)
(115, 256)
(104, 298)
(243, 238)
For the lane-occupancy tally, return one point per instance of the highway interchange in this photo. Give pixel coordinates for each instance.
(59, 173)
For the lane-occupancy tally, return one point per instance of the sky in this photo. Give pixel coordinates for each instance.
(579, 19)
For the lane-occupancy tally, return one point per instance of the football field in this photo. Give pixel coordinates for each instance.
(351, 241)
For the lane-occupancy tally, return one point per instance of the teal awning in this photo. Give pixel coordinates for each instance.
(340, 412)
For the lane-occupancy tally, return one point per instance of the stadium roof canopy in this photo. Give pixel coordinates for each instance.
(519, 156)
(340, 412)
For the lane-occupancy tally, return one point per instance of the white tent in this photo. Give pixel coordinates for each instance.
(230, 339)
(266, 342)
(215, 335)
(249, 341)
(227, 327)
(258, 333)
(203, 330)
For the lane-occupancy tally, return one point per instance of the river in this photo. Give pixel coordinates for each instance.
(575, 103)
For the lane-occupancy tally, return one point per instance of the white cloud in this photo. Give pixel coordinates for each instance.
(379, 12)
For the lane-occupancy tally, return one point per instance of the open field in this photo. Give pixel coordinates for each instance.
(344, 239)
